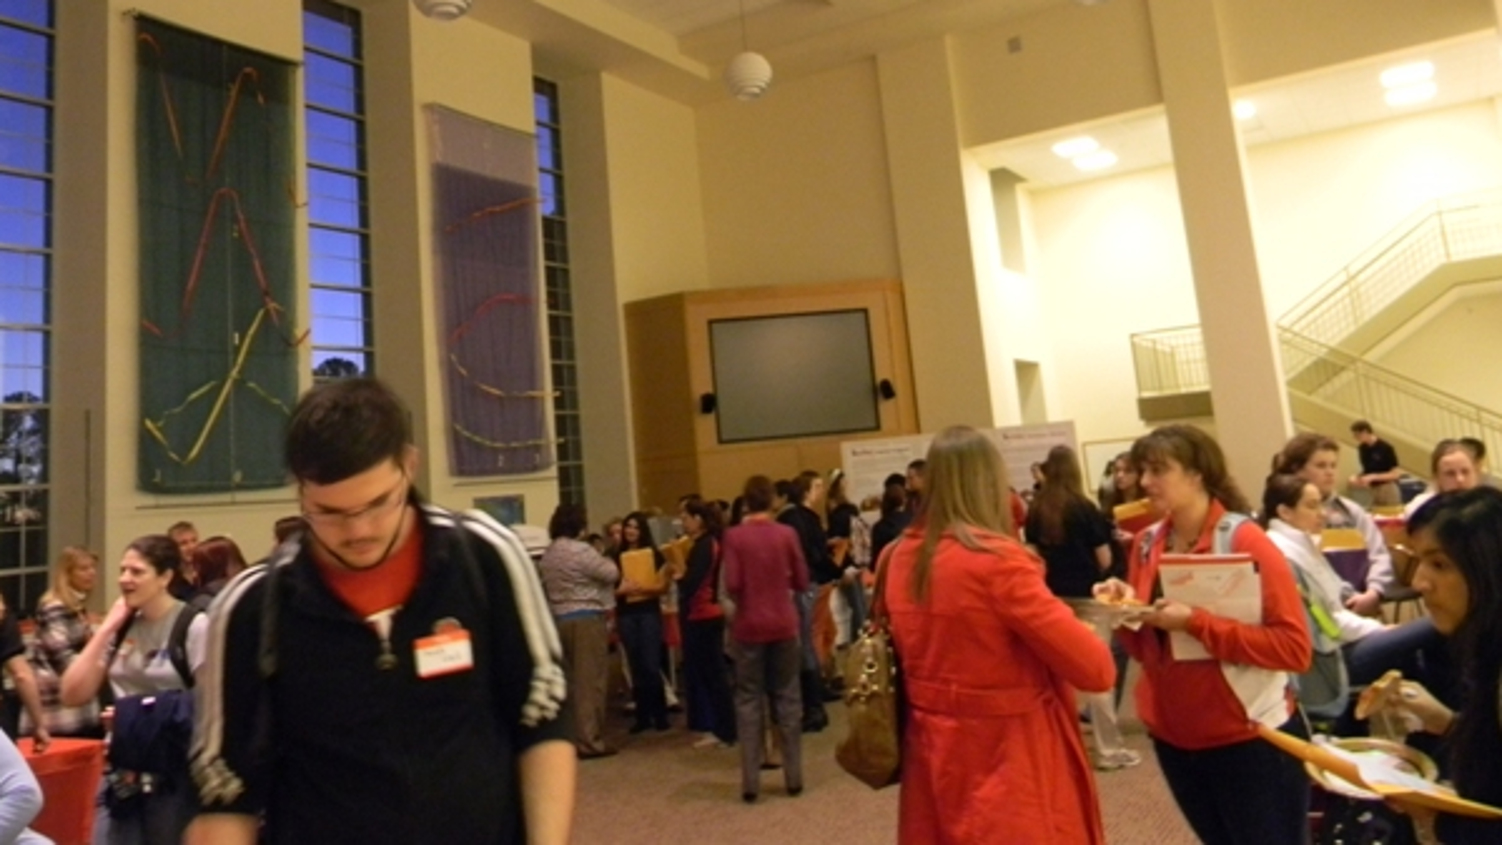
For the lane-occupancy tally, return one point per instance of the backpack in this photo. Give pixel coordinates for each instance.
(1325, 689)
(177, 638)
(1225, 529)
(148, 750)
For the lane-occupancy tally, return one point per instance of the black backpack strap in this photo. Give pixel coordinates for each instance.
(471, 563)
(177, 640)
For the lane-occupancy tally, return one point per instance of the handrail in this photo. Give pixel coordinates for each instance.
(1288, 337)
(1436, 233)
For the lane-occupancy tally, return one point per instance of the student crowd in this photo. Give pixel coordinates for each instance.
(398, 672)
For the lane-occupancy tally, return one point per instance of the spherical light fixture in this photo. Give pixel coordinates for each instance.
(443, 10)
(748, 75)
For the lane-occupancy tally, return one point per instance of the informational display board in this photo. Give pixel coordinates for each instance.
(867, 463)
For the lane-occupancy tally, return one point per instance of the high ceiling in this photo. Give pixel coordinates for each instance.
(1465, 70)
(678, 47)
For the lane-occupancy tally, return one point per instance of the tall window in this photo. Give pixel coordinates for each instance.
(339, 233)
(560, 297)
(26, 55)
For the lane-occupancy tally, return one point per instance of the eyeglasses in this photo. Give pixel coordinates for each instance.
(377, 509)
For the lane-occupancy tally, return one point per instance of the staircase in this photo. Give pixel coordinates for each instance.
(1323, 339)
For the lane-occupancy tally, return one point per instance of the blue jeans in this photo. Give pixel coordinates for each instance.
(641, 635)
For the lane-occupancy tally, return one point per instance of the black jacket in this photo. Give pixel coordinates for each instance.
(357, 753)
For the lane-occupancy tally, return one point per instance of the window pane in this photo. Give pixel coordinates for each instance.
(335, 199)
(23, 212)
(34, 12)
(347, 246)
(331, 83)
(23, 453)
(333, 331)
(22, 305)
(337, 271)
(23, 136)
(333, 140)
(338, 304)
(25, 63)
(328, 35)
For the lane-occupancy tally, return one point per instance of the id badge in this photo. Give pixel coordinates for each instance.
(444, 654)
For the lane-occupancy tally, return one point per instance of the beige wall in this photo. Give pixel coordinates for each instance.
(796, 185)
(657, 211)
(1461, 328)
(1111, 258)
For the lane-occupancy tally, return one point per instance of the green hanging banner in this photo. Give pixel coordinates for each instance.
(217, 199)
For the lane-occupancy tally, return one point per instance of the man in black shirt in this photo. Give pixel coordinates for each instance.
(392, 674)
(805, 494)
(1379, 465)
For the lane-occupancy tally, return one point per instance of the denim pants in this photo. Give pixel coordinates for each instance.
(641, 634)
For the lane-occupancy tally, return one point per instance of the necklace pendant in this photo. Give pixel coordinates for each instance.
(386, 662)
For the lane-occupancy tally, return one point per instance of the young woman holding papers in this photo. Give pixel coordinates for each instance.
(1232, 787)
(1457, 538)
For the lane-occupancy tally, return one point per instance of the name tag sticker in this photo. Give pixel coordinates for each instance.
(444, 654)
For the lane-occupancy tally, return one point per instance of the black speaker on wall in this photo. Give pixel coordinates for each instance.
(707, 403)
(885, 389)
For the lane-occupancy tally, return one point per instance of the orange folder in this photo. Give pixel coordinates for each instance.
(1132, 517)
(1432, 796)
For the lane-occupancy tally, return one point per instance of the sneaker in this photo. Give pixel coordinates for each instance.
(1120, 759)
(708, 741)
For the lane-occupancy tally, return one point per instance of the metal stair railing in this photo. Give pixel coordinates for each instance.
(1453, 229)
(1371, 391)
(1173, 361)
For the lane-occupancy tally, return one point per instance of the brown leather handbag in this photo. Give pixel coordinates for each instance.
(872, 747)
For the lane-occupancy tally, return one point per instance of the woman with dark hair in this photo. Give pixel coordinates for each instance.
(1315, 458)
(1232, 786)
(580, 585)
(764, 569)
(1293, 515)
(1457, 539)
(638, 619)
(990, 750)
(710, 711)
(133, 648)
(1125, 485)
(215, 561)
(1075, 542)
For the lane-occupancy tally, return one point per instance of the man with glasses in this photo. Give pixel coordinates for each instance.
(392, 674)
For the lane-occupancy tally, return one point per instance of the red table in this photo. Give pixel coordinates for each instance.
(69, 772)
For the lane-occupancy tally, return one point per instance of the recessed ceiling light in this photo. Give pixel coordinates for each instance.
(1244, 109)
(1410, 95)
(1397, 77)
(1074, 147)
(1098, 160)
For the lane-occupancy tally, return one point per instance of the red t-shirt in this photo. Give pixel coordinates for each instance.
(381, 587)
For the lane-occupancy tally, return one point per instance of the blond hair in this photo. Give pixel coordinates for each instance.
(965, 489)
(61, 587)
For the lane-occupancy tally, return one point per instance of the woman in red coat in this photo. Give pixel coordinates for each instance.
(991, 751)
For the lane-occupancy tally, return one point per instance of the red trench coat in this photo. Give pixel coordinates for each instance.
(992, 748)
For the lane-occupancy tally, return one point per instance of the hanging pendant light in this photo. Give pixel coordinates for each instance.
(443, 10)
(749, 74)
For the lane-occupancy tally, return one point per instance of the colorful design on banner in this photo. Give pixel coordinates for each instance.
(489, 278)
(217, 214)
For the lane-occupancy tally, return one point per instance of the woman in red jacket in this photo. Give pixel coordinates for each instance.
(1232, 787)
(991, 749)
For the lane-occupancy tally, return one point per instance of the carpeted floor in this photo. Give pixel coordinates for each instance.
(660, 789)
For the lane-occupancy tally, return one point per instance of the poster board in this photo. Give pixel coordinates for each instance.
(867, 463)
